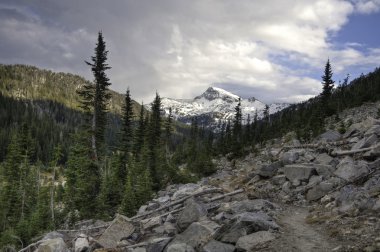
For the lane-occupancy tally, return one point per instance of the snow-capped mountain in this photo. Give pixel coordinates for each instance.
(216, 105)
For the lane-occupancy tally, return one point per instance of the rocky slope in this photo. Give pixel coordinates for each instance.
(216, 105)
(288, 196)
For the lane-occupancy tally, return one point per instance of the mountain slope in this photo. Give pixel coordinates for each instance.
(32, 83)
(48, 104)
(216, 105)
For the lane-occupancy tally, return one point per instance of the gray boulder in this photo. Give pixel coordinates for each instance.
(196, 235)
(290, 157)
(244, 224)
(372, 154)
(323, 159)
(82, 243)
(53, 235)
(324, 170)
(365, 142)
(120, 227)
(151, 223)
(330, 136)
(349, 171)
(158, 244)
(279, 180)
(216, 246)
(53, 245)
(180, 247)
(353, 200)
(268, 171)
(185, 190)
(321, 189)
(140, 249)
(374, 130)
(255, 205)
(193, 212)
(254, 241)
(298, 172)
(372, 185)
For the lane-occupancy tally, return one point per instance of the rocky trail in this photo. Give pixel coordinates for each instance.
(298, 235)
(287, 196)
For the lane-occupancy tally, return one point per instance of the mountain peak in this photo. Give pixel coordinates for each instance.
(213, 93)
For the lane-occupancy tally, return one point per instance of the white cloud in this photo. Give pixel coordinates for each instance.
(180, 47)
(367, 6)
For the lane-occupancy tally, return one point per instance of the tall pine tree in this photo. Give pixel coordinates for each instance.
(95, 98)
(327, 81)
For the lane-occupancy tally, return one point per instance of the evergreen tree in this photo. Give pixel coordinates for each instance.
(143, 187)
(266, 114)
(327, 80)
(154, 136)
(83, 179)
(129, 204)
(168, 127)
(140, 135)
(127, 136)
(237, 131)
(10, 197)
(95, 98)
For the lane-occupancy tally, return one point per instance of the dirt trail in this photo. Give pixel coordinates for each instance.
(297, 235)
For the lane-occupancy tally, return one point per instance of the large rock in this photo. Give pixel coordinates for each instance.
(290, 157)
(179, 247)
(185, 190)
(121, 227)
(255, 205)
(268, 171)
(349, 171)
(324, 170)
(193, 212)
(298, 172)
(216, 246)
(158, 244)
(53, 235)
(82, 243)
(321, 189)
(196, 235)
(53, 245)
(352, 200)
(365, 142)
(374, 130)
(151, 223)
(254, 241)
(244, 224)
(372, 185)
(324, 159)
(330, 136)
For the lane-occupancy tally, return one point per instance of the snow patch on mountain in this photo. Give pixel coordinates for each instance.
(216, 105)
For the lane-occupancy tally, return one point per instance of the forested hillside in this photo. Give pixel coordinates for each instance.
(72, 150)
(48, 104)
(306, 119)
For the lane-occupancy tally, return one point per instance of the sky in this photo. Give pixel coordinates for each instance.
(273, 50)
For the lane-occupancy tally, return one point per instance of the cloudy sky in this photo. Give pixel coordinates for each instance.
(274, 50)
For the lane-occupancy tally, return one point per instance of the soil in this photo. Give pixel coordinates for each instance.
(297, 235)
